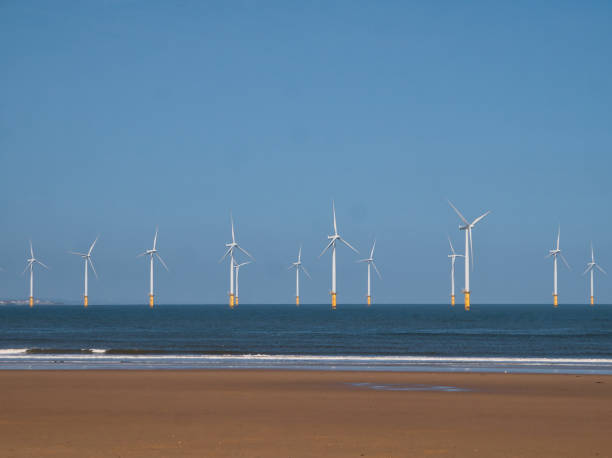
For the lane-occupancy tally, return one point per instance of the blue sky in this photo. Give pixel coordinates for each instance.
(118, 116)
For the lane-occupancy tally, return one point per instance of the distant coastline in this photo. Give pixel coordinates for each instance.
(25, 302)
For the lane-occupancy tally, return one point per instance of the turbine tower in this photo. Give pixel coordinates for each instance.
(298, 266)
(591, 266)
(333, 239)
(231, 246)
(153, 253)
(453, 256)
(237, 267)
(87, 258)
(469, 250)
(371, 264)
(30, 265)
(554, 253)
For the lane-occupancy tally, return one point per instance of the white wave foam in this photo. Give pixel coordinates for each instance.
(100, 354)
(12, 351)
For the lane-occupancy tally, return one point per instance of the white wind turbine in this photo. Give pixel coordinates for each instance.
(371, 264)
(87, 258)
(333, 239)
(453, 256)
(469, 250)
(30, 265)
(554, 253)
(591, 266)
(153, 253)
(298, 266)
(231, 246)
(237, 267)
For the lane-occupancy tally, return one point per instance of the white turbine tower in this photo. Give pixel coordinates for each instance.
(453, 256)
(237, 267)
(30, 265)
(231, 246)
(298, 266)
(469, 250)
(87, 258)
(153, 253)
(591, 266)
(333, 239)
(371, 264)
(554, 253)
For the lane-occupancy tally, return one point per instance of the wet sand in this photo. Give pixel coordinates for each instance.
(302, 413)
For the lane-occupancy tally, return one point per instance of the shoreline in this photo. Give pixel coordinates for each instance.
(302, 413)
(99, 359)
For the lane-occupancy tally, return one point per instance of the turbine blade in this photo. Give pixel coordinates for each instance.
(558, 237)
(587, 270)
(92, 267)
(162, 261)
(565, 261)
(31, 250)
(451, 245)
(334, 212)
(225, 255)
(300, 254)
(141, 254)
(601, 270)
(233, 234)
(372, 252)
(92, 246)
(245, 252)
(459, 213)
(77, 253)
(349, 245)
(42, 264)
(480, 217)
(27, 267)
(155, 239)
(376, 269)
(305, 271)
(326, 248)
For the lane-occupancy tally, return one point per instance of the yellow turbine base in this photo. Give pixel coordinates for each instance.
(31, 301)
(231, 302)
(467, 300)
(369, 301)
(85, 301)
(555, 300)
(592, 300)
(333, 301)
(236, 301)
(151, 300)
(453, 300)
(297, 300)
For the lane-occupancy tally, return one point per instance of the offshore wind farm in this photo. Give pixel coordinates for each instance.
(233, 249)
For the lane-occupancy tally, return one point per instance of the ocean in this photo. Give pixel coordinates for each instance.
(490, 338)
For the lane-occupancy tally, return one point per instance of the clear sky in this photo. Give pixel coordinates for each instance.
(117, 116)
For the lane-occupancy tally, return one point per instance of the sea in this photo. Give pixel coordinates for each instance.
(571, 339)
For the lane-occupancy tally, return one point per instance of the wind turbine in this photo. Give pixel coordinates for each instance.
(231, 246)
(453, 256)
(371, 264)
(469, 250)
(153, 253)
(298, 266)
(333, 239)
(591, 266)
(554, 253)
(87, 258)
(30, 265)
(237, 267)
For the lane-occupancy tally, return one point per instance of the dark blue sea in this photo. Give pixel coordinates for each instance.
(511, 338)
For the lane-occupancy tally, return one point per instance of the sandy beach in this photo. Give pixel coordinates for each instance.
(302, 413)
